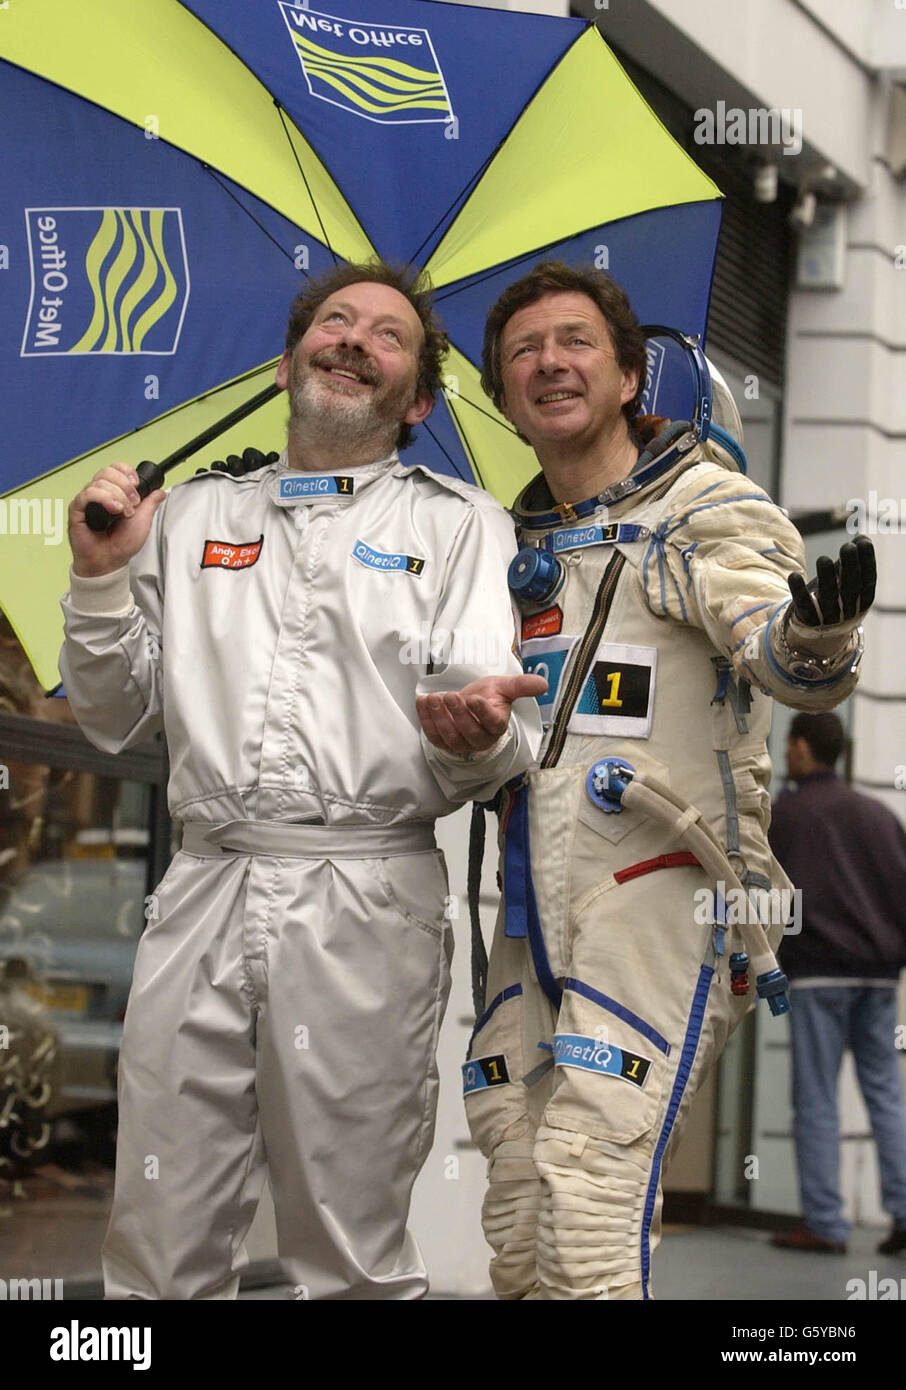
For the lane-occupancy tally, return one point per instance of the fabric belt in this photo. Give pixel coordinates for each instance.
(284, 840)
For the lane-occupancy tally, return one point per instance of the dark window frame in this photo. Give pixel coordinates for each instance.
(64, 746)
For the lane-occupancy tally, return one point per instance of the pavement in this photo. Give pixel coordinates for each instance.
(54, 1224)
(735, 1264)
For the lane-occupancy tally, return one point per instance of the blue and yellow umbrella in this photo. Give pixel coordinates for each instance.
(171, 171)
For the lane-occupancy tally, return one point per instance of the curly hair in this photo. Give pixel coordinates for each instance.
(412, 284)
(556, 277)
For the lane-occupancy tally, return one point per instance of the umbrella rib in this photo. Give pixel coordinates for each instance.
(469, 282)
(464, 192)
(305, 181)
(479, 279)
(247, 211)
(460, 196)
(448, 457)
(481, 410)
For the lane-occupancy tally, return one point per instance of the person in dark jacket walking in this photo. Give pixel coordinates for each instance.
(847, 854)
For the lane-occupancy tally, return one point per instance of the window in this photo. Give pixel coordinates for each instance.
(83, 839)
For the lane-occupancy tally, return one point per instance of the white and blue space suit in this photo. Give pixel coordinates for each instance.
(659, 613)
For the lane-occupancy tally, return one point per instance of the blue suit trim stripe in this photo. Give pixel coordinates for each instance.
(748, 613)
(679, 596)
(687, 1057)
(724, 502)
(699, 495)
(660, 570)
(511, 992)
(621, 1011)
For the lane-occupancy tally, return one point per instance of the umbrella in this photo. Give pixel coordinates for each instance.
(171, 171)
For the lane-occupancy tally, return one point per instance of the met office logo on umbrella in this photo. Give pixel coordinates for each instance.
(105, 281)
(388, 73)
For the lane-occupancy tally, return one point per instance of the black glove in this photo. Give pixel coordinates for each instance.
(251, 459)
(844, 589)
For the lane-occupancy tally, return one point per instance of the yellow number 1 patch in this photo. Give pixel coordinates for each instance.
(618, 695)
(482, 1072)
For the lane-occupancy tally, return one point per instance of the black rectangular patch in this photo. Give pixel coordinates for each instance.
(482, 1072)
(634, 1068)
(622, 689)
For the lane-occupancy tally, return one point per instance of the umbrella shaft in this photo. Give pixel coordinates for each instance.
(220, 426)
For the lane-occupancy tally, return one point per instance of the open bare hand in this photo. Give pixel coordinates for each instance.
(471, 720)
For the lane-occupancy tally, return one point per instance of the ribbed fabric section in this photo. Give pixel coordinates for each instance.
(590, 1220)
(509, 1216)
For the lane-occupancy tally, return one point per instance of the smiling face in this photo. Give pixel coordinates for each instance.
(355, 368)
(561, 380)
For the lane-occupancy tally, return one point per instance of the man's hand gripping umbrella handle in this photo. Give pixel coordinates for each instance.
(150, 478)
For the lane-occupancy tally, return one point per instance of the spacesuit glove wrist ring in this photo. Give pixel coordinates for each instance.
(817, 654)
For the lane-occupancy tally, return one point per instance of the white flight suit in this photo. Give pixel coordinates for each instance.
(578, 1107)
(290, 984)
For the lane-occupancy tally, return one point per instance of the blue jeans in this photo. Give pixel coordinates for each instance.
(826, 1020)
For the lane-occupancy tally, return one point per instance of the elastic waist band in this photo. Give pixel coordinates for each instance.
(306, 841)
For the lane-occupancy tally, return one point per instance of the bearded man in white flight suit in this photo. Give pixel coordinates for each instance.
(654, 594)
(280, 625)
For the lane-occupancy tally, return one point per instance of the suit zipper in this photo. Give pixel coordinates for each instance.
(589, 643)
(587, 649)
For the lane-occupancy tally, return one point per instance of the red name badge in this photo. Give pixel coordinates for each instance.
(223, 555)
(544, 624)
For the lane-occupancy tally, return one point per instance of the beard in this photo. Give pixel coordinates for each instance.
(342, 412)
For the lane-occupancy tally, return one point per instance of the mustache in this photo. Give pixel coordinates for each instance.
(347, 363)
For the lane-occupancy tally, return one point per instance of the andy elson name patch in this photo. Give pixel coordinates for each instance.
(229, 555)
(545, 624)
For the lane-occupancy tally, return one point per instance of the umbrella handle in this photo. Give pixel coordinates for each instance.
(150, 478)
(151, 475)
